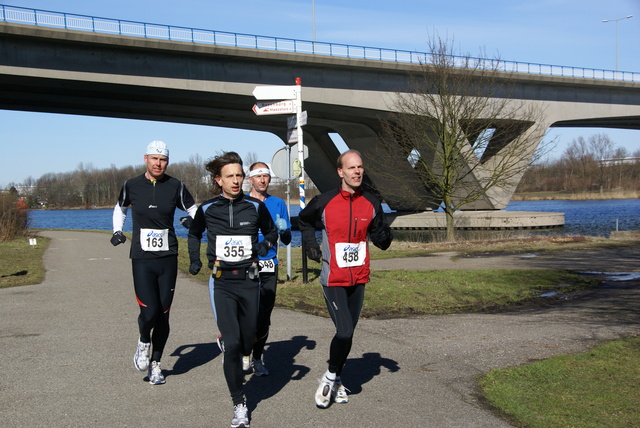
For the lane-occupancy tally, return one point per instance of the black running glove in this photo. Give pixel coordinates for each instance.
(263, 247)
(314, 254)
(285, 237)
(195, 267)
(118, 238)
(382, 237)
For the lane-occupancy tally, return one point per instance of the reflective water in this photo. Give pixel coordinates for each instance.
(593, 218)
(101, 219)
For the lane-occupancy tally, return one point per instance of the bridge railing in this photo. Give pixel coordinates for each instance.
(20, 15)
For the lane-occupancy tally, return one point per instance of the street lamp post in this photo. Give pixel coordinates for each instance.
(313, 20)
(616, 21)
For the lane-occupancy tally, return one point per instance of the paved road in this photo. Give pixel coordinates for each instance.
(66, 347)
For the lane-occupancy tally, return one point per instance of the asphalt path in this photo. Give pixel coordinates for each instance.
(66, 349)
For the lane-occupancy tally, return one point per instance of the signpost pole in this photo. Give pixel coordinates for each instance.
(301, 160)
(300, 140)
(289, 208)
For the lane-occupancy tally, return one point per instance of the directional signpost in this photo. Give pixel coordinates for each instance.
(279, 107)
(290, 102)
(275, 92)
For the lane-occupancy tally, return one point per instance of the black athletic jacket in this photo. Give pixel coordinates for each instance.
(242, 216)
(153, 205)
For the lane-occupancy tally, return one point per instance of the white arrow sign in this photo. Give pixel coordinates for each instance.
(275, 92)
(278, 107)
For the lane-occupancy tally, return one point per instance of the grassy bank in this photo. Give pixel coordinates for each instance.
(401, 293)
(598, 388)
(21, 263)
(405, 293)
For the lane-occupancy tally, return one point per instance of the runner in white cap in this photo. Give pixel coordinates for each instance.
(154, 197)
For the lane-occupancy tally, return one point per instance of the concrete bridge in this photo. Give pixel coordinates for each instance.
(88, 73)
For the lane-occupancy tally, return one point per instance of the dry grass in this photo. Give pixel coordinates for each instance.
(21, 263)
(520, 244)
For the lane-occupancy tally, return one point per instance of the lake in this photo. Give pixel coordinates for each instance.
(592, 218)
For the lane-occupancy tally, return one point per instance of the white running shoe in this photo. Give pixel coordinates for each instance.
(246, 364)
(259, 368)
(240, 416)
(340, 393)
(155, 374)
(141, 357)
(324, 392)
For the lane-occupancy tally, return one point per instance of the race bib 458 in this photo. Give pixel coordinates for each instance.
(350, 254)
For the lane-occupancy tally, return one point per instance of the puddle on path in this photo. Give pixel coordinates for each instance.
(615, 276)
(610, 276)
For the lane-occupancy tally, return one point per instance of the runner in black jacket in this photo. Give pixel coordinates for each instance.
(232, 221)
(154, 197)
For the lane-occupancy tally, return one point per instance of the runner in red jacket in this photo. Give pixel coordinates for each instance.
(349, 216)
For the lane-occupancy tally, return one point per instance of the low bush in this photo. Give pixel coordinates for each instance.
(14, 221)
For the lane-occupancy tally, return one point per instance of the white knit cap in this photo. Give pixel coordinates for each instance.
(157, 148)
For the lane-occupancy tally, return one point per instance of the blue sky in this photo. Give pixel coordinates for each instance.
(558, 32)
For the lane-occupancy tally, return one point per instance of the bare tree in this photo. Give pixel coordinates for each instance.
(603, 150)
(196, 178)
(619, 156)
(251, 158)
(578, 164)
(466, 136)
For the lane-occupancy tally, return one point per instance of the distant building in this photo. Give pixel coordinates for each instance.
(620, 161)
(25, 190)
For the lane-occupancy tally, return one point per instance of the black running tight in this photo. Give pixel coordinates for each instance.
(154, 282)
(268, 285)
(235, 308)
(344, 305)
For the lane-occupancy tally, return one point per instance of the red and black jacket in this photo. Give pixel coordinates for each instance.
(345, 218)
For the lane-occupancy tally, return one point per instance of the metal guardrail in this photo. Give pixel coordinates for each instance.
(44, 18)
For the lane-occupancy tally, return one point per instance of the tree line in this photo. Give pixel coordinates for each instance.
(88, 186)
(593, 164)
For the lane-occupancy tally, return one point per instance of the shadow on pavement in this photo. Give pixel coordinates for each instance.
(359, 371)
(280, 360)
(192, 356)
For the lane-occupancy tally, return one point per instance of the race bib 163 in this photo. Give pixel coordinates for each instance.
(154, 239)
